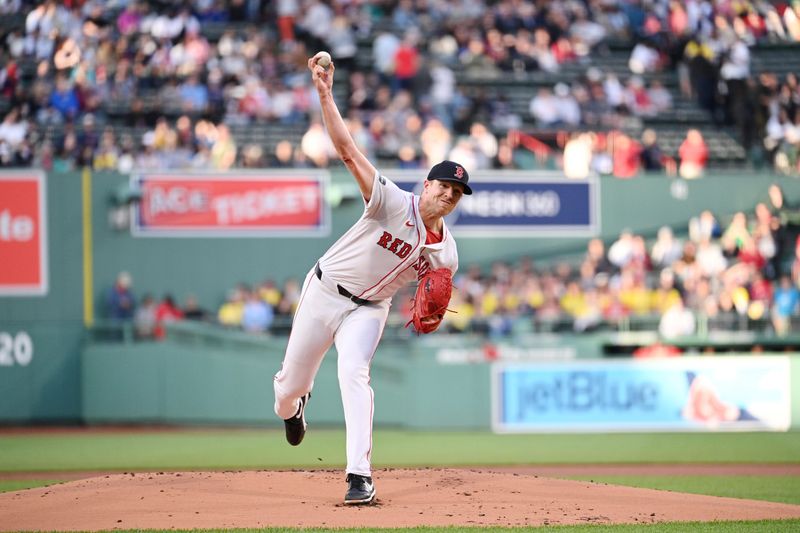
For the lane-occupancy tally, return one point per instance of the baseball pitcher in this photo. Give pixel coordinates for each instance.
(400, 238)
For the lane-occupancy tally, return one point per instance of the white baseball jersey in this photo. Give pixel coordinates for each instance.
(386, 249)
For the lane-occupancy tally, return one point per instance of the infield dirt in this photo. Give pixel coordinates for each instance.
(406, 498)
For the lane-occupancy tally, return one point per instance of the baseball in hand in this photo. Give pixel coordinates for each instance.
(323, 59)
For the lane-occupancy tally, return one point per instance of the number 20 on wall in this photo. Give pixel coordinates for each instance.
(15, 349)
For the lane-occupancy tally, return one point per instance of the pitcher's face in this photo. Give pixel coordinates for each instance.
(442, 195)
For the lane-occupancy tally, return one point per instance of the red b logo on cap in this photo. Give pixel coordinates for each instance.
(459, 172)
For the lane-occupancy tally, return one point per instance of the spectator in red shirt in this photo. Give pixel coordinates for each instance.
(678, 18)
(760, 288)
(656, 350)
(749, 255)
(406, 64)
(166, 312)
(563, 51)
(756, 24)
(694, 155)
(626, 156)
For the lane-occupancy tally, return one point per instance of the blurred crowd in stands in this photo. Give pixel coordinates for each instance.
(741, 273)
(255, 309)
(125, 84)
(737, 273)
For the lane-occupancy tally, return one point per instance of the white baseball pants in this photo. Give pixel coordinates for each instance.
(325, 317)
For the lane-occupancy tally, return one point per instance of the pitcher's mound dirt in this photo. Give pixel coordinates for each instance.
(406, 498)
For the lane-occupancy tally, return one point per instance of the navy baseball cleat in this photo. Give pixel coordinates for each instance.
(360, 490)
(296, 426)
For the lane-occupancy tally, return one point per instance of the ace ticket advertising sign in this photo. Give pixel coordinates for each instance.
(272, 204)
(23, 234)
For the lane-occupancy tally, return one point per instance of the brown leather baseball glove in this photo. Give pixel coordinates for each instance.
(431, 299)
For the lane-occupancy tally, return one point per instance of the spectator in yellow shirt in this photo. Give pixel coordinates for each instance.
(230, 314)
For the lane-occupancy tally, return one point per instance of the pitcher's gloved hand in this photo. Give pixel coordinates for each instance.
(431, 299)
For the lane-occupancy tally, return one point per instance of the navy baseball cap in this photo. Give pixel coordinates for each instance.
(450, 171)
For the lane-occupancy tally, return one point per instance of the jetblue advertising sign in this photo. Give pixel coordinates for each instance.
(681, 394)
(513, 204)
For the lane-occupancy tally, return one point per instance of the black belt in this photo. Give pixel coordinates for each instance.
(344, 292)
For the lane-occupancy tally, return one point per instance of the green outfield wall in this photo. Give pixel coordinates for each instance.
(796, 392)
(192, 379)
(227, 379)
(47, 385)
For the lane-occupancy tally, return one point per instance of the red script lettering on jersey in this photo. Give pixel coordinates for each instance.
(397, 246)
(421, 266)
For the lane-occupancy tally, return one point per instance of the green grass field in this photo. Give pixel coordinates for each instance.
(236, 448)
(784, 489)
(199, 449)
